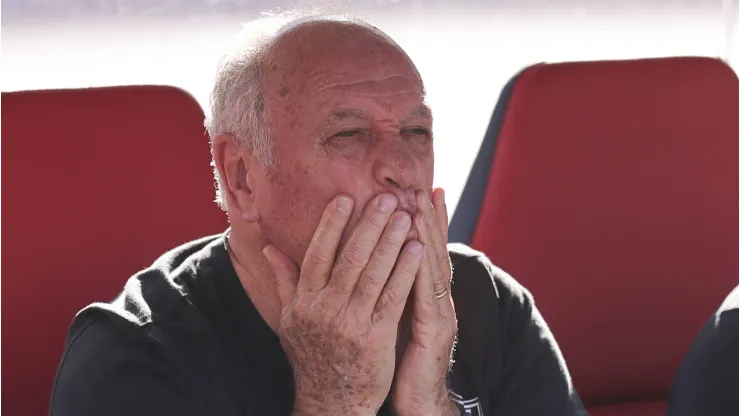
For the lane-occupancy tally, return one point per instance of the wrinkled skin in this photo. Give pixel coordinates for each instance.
(340, 316)
(343, 107)
(347, 115)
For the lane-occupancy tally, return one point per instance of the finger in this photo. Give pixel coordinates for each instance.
(392, 299)
(433, 251)
(381, 263)
(353, 258)
(421, 223)
(319, 258)
(286, 275)
(427, 208)
(440, 268)
(426, 308)
(431, 235)
(447, 306)
(440, 208)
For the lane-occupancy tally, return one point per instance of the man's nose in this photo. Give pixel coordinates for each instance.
(395, 171)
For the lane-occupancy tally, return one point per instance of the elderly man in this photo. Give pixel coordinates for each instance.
(331, 293)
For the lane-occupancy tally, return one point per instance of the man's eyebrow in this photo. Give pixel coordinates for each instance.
(422, 111)
(344, 113)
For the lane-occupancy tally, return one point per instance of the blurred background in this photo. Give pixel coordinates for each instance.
(466, 50)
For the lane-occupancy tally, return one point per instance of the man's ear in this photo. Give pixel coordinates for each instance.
(236, 170)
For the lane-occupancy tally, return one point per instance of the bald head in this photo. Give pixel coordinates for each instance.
(303, 59)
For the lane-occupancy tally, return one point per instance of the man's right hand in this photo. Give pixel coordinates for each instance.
(341, 311)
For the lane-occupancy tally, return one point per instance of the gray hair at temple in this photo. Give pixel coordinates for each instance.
(237, 102)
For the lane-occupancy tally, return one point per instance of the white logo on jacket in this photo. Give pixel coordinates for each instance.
(468, 407)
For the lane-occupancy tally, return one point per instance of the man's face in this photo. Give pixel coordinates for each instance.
(347, 115)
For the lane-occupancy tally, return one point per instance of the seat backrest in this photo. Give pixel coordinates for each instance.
(610, 190)
(96, 184)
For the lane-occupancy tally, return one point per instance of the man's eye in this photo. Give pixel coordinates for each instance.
(349, 139)
(347, 133)
(418, 131)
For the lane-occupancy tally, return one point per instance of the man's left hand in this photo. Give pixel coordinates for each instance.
(420, 385)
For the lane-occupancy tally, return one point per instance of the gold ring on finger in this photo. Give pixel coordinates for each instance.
(441, 293)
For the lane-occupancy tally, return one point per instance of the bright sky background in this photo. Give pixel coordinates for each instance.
(464, 55)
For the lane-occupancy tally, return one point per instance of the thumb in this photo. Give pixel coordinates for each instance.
(286, 274)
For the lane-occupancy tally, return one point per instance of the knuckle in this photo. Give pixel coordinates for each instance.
(327, 317)
(367, 338)
(363, 290)
(379, 316)
(339, 274)
(329, 222)
(315, 255)
(395, 236)
(383, 249)
(377, 220)
(406, 265)
(388, 248)
(373, 277)
(353, 257)
(439, 282)
(335, 222)
(392, 296)
(327, 320)
(443, 258)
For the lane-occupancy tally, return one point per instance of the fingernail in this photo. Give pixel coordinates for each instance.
(442, 195)
(386, 203)
(344, 204)
(267, 252)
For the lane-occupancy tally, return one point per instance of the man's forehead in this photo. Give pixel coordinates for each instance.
(304, 46)
(340, 69)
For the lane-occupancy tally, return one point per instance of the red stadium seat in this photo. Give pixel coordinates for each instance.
(96, 184)
(610, 190)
